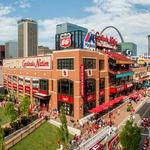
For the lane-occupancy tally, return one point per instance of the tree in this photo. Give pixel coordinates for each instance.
(24, 106)
(130, 136)
(1, 137)
(63, 131)
(10, 111)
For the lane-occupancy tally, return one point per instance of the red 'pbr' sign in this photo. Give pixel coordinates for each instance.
(82, 79)
(65, 40)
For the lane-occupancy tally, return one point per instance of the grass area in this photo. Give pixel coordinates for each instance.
(43, 138)
(3, 117)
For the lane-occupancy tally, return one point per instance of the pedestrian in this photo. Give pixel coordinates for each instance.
(118, 112)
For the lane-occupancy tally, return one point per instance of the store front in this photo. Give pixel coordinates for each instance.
(90, 95)
(42, 101)
(42, 97)
(65, 96)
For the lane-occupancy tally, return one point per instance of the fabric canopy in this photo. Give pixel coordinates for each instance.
(106, 105)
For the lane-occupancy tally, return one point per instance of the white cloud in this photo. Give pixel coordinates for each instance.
(23, 4)
(5, 10)
(8, 28)
(133, 24)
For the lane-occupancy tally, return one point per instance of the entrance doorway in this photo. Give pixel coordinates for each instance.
(42, 104)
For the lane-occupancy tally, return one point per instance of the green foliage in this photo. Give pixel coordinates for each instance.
(24, 106)
(63, 131)
(1, 138)
(10, 111)
(130, 136)
(2, 96)
(129, 108)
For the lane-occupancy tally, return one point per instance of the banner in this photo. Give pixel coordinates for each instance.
(82, 80)
(39, 62)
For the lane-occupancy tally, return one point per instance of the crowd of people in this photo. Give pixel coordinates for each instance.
(146, 144)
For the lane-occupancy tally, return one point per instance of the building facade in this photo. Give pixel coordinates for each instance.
(128, 49)
(148, 45)
(69, 27)
(42, 50)
(69, 36)
(2, 54)
(27, 38)
(11, 49)
(76, 79)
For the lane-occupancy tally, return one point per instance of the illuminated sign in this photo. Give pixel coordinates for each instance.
(29, 63)
(93, 40)
(124, 74)
(105, 41)
(65, 40)
(89, 41)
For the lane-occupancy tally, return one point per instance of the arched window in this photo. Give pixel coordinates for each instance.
(65, 87)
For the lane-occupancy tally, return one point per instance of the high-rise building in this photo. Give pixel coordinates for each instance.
(42, 50)
(69, 27)
(148, 45)
(128, 48)
(27, 38)
(2, 53)
(69, 36)
(11, 49)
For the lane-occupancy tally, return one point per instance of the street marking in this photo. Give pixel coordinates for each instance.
(140, 105)
(143, 115)
(144, 134)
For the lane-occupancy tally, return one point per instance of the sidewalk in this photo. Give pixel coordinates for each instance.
(120, 119)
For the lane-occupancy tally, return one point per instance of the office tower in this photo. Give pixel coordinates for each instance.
(11, 49)
(42, 50)
(2, 53)
(148, 45)
(27, 38)
(69, 36)
(68, 27)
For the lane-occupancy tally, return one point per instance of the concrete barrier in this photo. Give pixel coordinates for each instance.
(18, 136)
(72, 131)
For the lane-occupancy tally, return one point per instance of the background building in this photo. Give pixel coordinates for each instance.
(128, 48)
(68, 27)
(69, 36)
(42, 50)
(11, 49)
(27, 38)
(148, 45)
(2, 53)
(2, 56)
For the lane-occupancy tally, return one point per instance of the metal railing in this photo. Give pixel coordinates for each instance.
(95, 139)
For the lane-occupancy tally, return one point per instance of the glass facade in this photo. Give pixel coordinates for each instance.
(89, 63)
(65, 63)
(11, 50)
(44, 85)
(65, 87)
(77, 40)
(65, 96)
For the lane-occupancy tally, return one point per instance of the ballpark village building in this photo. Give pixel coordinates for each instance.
(78, 79)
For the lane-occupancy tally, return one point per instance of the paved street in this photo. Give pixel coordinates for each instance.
(144, 112)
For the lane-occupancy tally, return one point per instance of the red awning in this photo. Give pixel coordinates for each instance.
(106, 105)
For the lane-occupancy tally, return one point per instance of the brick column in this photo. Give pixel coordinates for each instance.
(97, 91)
(54, 100)
(107, 89)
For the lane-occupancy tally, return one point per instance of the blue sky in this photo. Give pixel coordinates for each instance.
(131, 17)
(43, 9)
